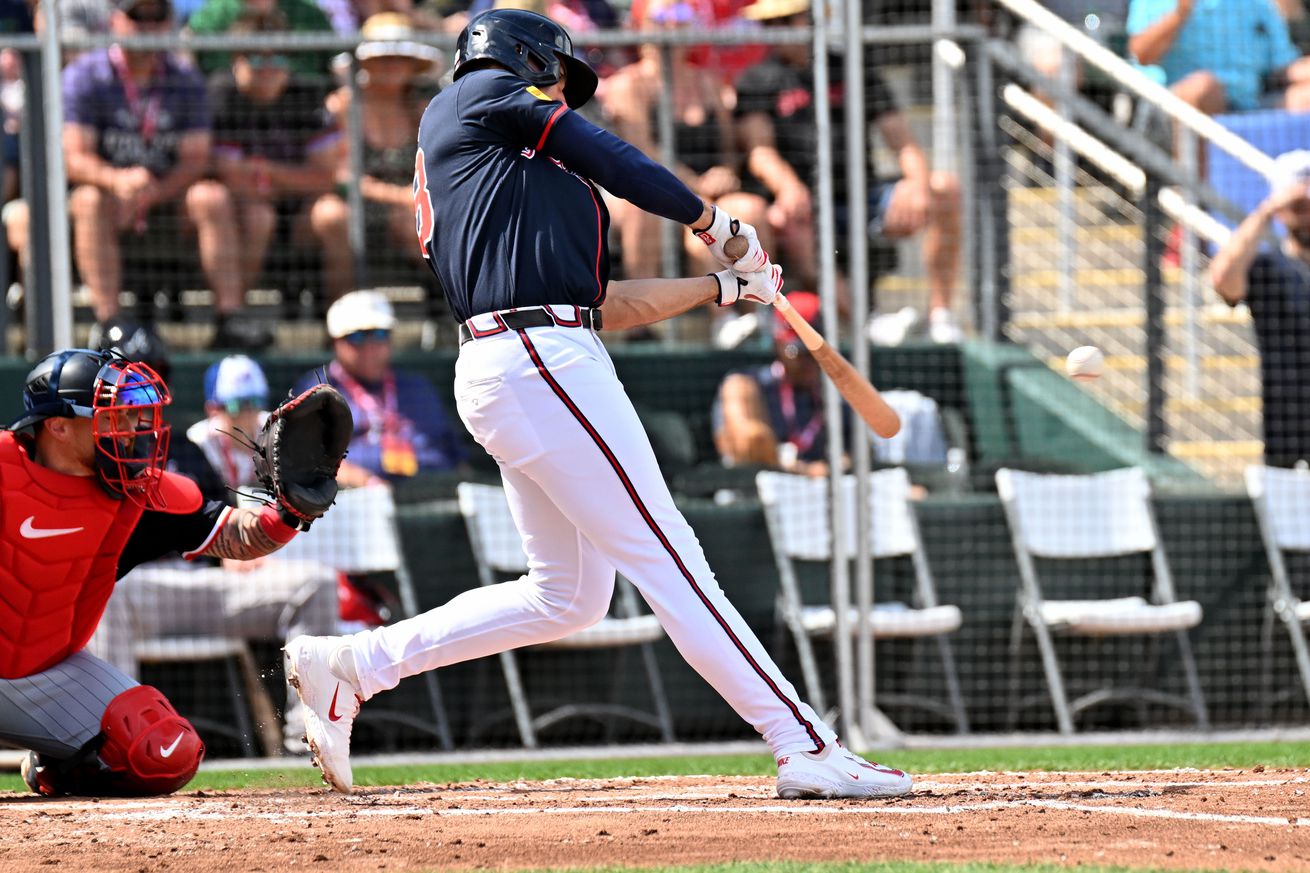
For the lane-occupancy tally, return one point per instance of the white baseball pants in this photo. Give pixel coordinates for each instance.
(587, 496)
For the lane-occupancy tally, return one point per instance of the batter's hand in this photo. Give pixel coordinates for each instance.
(724, 227)
(759, 286)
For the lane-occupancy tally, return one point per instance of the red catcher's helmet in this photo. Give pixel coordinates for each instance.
(125, 402)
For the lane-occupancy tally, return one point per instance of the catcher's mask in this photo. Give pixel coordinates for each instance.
(125, 402)
(530, 46)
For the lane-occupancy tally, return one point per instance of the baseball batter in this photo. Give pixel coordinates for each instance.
(511, 220)
(84, 498)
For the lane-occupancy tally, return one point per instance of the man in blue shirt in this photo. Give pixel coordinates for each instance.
(511, 220)
(1220, 55)
(1275, 285)
(401, 429)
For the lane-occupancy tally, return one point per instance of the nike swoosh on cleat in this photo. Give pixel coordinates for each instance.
(332, 708)
(854, 776)
(167, 751)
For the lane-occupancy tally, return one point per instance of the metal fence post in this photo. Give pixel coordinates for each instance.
(992, 198)
(1153, 294)
(354, 197)
(38, 313)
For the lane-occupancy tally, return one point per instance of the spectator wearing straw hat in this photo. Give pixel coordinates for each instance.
(1275, 286)
(401, 426)
(775, 109)
(395, 83)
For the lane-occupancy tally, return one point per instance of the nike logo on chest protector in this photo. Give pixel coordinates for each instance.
(31, 532)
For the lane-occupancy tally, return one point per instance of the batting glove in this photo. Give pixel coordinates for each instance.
(760, 286)
(724, 227)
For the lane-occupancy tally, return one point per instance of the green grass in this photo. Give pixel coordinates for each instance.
(1084, 758)
(858, 867)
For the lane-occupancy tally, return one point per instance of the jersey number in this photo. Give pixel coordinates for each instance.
(423, 217)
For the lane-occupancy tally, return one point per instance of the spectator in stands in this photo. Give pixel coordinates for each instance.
(77, 18)
(303, 16)
(704, 142)
(726, 60)
(236, 402)
(773, 416)
(576, 15)
(1275, 286)
(396, 86)
(269, 599)
(275, 150)
(401, 428)
(1220, 55)
(775, 108)
(137, 143)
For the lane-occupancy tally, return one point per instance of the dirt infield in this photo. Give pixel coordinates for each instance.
(1234, 819)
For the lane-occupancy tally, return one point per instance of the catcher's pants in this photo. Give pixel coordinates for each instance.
(587, 497)
(272, 600)
(58, 711)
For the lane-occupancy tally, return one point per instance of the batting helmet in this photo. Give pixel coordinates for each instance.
(125, 402)
(530, 46)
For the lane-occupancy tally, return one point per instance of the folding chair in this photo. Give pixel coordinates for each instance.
(1098, 515)
(242, 675)
(1282, 507)
(798, 518)
(359, 535)
(498, 550)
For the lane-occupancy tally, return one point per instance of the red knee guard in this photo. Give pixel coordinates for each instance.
(149, 749)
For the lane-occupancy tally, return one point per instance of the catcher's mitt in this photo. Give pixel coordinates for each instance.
(299, 449)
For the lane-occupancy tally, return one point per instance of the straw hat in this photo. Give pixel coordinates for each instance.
(390, 35)
(763, 10)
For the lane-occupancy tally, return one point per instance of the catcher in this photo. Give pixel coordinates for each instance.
(83, 499)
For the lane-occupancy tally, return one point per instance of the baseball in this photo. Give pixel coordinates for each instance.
(1084, 363)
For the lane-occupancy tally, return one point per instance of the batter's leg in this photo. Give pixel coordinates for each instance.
(568, 587)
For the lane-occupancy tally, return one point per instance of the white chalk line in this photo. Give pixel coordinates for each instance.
(159, 811)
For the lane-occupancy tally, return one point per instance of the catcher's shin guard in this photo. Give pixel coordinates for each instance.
(144, 749)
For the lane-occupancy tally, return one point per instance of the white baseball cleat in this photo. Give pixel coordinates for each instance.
(331, 704)
(835, 773)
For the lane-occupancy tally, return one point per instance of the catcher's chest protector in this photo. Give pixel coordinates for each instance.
(60, 540)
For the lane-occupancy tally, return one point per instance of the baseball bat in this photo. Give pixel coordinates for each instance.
(857, 390)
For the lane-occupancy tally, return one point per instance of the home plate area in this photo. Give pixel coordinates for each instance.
(1248, 819)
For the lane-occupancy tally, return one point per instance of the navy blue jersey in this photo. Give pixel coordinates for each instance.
(506, 209)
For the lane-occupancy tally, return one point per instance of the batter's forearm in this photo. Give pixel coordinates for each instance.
(635, 302)
(245, 534)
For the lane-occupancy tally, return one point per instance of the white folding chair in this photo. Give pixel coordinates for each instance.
(359, 535)
(498, 551)
(796, 512)
(1282, 507)
(1098, 515)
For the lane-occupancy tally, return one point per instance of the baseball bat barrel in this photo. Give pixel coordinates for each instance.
(857, 390)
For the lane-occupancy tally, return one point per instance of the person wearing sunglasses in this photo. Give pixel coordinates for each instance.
(274, 149)
(401, 426)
